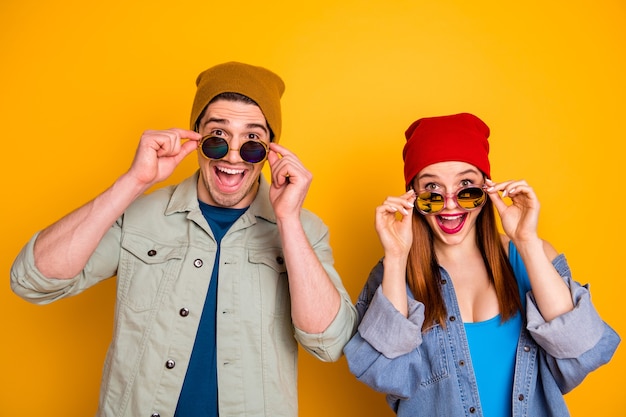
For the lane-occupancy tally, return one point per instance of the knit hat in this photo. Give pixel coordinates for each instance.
(257, 83)
(458, 137)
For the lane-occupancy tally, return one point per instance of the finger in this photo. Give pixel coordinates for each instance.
(280, 149)
(279, 172)
(400, 204)
(166, 142)
(186, 148)
(517, 187)
(186, 134)
(497, 200)
(497, 186)
(272, 158)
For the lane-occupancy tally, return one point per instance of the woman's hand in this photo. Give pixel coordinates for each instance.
(520, 218)
(393, 224)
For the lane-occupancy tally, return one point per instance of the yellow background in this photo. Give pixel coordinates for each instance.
(80, 81)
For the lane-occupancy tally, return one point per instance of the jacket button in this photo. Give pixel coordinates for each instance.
(151, 252)
(452, 318)
(521, 397)
(472, 410)
(198, 263)
(444, 281)
(462, 362)
(526, 348)
(155, 415)
(170, 364)
(184, 312)
(280, 260)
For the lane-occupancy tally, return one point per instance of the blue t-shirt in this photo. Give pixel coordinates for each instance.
(199, 393)
(492, 348)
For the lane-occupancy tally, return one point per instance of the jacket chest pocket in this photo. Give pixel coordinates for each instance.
(271, 270)
(146, 271)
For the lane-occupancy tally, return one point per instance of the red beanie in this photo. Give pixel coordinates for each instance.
(458, 137)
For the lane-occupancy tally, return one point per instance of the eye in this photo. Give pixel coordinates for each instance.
(431, 186)
(253, 136)
(217, 132)
(465, 183)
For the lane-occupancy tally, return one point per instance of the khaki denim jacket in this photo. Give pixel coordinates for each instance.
(162, 251)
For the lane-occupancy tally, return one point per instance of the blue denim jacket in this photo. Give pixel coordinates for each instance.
(430, 374)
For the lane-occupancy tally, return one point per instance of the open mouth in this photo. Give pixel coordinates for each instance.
(229, 179)
(451, 223)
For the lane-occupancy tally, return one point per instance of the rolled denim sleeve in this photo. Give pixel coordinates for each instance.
(387, 330)
(572, 333)
(575, 343)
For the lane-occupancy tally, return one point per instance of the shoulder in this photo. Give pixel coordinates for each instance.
(311, 221)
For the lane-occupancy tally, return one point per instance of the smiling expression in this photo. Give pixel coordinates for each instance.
(452, 224)
(230, 181)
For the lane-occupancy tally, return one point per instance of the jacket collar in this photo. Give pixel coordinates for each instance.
(185, 199)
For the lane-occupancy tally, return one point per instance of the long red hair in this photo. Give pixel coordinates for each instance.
(424, 276)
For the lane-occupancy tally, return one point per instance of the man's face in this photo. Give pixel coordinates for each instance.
(230, 181)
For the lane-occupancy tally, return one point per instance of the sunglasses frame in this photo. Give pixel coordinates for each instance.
(454, 196)
(228, 149)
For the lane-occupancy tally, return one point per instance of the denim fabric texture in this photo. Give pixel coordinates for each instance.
(430, 374)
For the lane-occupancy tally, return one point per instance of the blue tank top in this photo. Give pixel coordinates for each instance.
(493, 347)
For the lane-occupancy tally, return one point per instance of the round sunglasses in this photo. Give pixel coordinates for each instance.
(215, 147)
(467, 198)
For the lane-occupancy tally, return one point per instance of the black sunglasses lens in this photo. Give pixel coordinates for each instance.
(214, 147)
(253, 152)
(471, 198)
(428, 202)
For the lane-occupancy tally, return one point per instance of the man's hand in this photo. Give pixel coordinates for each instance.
(159, 153)
(290, 181)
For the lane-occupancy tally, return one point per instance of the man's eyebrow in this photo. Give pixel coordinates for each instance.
(226, 122)
(257, 125)
(216, 120)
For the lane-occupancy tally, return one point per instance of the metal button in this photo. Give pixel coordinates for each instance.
(280, 260)
(444, 282)
(170, 364)
(152, 252)
(198, 263)
(472, 410)
(155, 415)
(184, 312)
(521, 397)
(452, 318)
(462, 362)
(526, 348)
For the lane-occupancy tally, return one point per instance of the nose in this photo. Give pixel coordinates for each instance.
(233, 151)
(450, 200)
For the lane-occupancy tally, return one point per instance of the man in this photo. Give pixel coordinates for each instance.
(218, 277)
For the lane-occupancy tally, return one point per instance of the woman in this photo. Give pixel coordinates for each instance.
(456, 319)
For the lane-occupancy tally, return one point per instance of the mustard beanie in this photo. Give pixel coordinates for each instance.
(260, 84)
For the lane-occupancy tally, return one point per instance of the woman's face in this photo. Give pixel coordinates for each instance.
(452, 225)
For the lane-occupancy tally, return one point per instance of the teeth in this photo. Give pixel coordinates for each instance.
(451, 217)
(230, 171)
